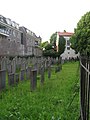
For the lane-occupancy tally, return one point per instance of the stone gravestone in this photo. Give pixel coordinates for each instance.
(28, 73)
(42, 75)
(11, 79)
(17, 78)
(3, 64)
(33, 79)
(49, 68)
(13, 66)
(57, 69)
(49, 71)
(22, 74)
(9, 68)
(2, 79)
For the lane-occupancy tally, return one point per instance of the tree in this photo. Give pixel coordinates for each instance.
(44, 44)
(61, 45)
(49, 51)
(81, 38)
(53, 39)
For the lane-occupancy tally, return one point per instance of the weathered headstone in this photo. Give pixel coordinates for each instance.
(28, 73)
(17, 78)
(22, 74)
(13, 66)
(2, 79)
(42, 75)
(57, 69)
(49, 71)
(33, 79)
(11, 80)
(3, 64)
(9, 67)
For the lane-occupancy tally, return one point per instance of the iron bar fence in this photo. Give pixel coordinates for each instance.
(85, 88)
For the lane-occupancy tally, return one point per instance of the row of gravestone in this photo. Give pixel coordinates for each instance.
(25, 73)
(12, 64)
(31, 74)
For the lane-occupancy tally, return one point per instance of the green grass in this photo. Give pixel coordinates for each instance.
(57, 99)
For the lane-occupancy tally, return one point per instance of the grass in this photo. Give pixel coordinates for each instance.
(57, 99)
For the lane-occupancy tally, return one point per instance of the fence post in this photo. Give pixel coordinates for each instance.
(82, 90)
(88, 92)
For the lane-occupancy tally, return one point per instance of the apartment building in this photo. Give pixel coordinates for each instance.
(15, 40)
(69, 53)
(10, 37)
(31, 42)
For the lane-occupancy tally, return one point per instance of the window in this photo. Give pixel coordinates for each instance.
(14, 33)
(8, 21)
(68, 48)
(36, 42)
(22, 42)
(68, 43)
(9, 39)
(1, 18)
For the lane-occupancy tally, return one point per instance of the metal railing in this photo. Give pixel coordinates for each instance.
(85, 88)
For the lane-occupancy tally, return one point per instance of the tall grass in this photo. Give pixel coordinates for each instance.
(57, 99)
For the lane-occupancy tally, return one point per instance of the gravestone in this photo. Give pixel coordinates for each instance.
(49, 71)
(9, 68)
(17, 78)
(57, 69)
(11, 80)
(3, 64)
(28, 73)
(23, 66)
(22, 74)
(42, 75)
(2, 79)
(33, 79)
(13, 66)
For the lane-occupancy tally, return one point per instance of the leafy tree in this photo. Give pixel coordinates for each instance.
(61, 45)
(44, 44)
(53, 38)
(49, 51)
(81, 38)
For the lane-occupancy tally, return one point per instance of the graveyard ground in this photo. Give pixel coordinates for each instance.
(57, 99)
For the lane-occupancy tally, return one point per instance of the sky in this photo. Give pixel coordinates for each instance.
(45, 17)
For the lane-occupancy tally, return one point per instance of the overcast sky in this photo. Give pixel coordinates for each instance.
(45, 17)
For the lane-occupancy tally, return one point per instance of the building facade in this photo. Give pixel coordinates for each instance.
(69, 53)
(31, 42)
(15, 40)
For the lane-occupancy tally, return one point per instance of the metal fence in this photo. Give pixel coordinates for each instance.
(85, 88)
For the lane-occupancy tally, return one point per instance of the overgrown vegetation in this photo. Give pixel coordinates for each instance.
(81, 38)
(57, 99)
(50, 49)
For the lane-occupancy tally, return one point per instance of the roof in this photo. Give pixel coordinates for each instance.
(65, 33)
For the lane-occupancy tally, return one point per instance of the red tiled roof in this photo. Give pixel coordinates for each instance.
(65, 33)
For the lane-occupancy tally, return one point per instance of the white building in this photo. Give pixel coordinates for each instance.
(69, 53)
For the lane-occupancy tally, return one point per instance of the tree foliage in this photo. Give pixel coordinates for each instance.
(61, 45)
(53, 38)
(44, 44)
(49, 51)
(51, 48)
(81, 38)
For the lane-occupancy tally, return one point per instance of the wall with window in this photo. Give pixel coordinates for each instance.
(69, 52)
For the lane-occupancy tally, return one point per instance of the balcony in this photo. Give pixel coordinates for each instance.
(4, 32)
